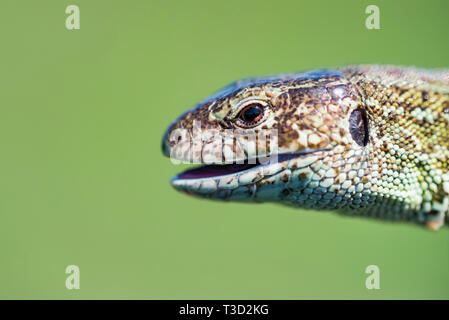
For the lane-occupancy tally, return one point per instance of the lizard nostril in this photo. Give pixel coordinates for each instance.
(358, 126)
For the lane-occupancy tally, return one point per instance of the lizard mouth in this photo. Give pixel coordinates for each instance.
(216, 171)
(239, 181)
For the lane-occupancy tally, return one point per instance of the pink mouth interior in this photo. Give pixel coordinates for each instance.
(214, 171)
(209, 171)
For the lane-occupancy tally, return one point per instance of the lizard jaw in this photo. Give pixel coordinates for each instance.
(218, 181)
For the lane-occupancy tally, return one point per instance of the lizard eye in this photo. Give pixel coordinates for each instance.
(251, 114)
(358, 126)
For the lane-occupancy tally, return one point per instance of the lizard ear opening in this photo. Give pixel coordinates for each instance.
(358, 126)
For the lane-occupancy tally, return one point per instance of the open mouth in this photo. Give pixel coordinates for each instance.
(220, 170)
(215, 170)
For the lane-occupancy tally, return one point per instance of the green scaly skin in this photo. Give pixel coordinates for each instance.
(360, 140)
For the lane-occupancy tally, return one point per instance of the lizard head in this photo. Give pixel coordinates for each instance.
(368, 140)
(300, 139)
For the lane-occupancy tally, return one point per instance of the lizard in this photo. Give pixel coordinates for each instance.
(363, 140)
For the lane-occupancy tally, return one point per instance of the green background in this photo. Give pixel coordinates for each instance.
(83, 180)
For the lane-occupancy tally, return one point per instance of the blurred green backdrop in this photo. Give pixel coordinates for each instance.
(83, 180)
